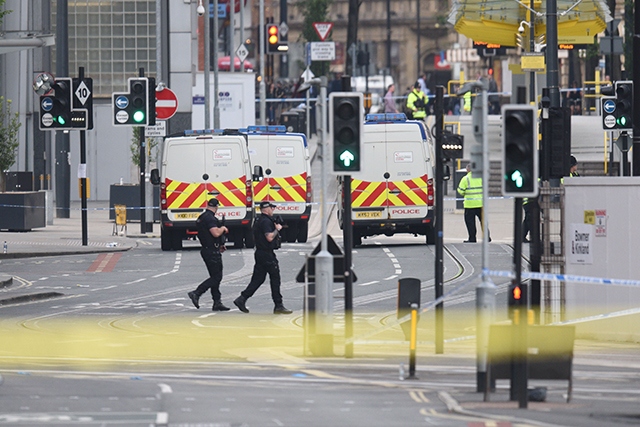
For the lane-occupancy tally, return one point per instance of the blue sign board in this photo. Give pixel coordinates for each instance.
(47, 104)
(122, 102)
(222, 10)
(609, 106)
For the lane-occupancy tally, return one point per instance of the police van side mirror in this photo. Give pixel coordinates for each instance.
(446, 173)
(258, 175)
(155, 177)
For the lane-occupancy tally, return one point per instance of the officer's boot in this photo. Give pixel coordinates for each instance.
(239, 302)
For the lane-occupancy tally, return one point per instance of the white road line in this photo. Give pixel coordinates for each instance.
(390, 277)
(136, 281)
(165, 388)
(369, 283)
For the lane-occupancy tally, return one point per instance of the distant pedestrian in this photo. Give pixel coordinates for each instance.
(573, 171)
(266, 233)
(211, 235)
(389, 103)
(471, 189)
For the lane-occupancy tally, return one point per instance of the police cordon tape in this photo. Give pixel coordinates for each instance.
(565, 278)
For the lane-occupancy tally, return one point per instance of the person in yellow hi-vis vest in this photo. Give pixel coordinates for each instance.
(466, 106)
(471, 189)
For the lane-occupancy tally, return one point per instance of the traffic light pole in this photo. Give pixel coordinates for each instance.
(83, 174)
(439, 267)
(143, 172)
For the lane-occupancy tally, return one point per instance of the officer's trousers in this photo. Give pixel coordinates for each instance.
(213, 260)
(266, 262)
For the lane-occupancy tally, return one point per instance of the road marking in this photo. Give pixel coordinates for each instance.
(393, 276)
(165, 388)
(105, 262)
(369, 283)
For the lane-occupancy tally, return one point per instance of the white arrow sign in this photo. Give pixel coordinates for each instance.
(347, 158)
(322, 29)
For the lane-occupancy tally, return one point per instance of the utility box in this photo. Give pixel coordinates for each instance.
(22, 210)
(19, 181)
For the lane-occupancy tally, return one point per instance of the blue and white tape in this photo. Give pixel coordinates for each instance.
(565, 278)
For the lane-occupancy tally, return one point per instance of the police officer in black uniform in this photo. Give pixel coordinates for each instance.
(211, 235)
(267, 237)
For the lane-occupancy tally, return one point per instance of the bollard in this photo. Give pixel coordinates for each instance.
(413, 342)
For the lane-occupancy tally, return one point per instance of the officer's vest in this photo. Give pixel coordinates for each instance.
(471, 189)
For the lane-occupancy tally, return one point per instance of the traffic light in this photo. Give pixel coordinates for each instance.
(519, 151)
(139, 100)
(273, 38)
(55, 109)
(452, 145)
(132, 108)
(346, 112)
(515, 295)
(624, 105)
(276, 42)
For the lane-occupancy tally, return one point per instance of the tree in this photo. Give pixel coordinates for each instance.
(134, 147)
(9, 125)
(313, 11)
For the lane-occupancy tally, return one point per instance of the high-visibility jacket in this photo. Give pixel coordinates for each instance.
(467, 102)
(471, 189)
(418, 113)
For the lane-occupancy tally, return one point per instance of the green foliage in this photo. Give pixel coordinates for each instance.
(134, 148)
(3, 12)
(9, 125)
(313, 11)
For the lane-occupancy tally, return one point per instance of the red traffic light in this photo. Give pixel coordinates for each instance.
(517, 293)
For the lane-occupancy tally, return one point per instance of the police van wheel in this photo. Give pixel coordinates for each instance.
(303, 231)
(165, 240)
(176, 241)
(248, 238)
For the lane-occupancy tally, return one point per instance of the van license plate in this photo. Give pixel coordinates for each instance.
(191, 215)
(369, 214)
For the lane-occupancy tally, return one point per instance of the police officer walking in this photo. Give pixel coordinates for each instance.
(471, 189)
(266, 234)
(211, 235)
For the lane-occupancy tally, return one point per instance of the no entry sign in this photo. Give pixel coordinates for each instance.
(166, 104)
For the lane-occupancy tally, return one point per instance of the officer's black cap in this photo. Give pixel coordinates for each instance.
(213, 203)
(266, 204)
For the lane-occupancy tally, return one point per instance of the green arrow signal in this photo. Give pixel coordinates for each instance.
(347, 157)
(517, 178)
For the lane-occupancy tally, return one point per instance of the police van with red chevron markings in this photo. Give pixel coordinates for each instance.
(240, 168)
(282, 166)
(197, 166)
(394, 192)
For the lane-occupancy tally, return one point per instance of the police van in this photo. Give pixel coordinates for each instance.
(197, 166)
(283, 170)
(394, 191)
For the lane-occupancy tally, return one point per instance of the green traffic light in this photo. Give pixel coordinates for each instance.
(517, 178)
(138, 116)
(61, 120)
(347, 157)
(622, 121)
